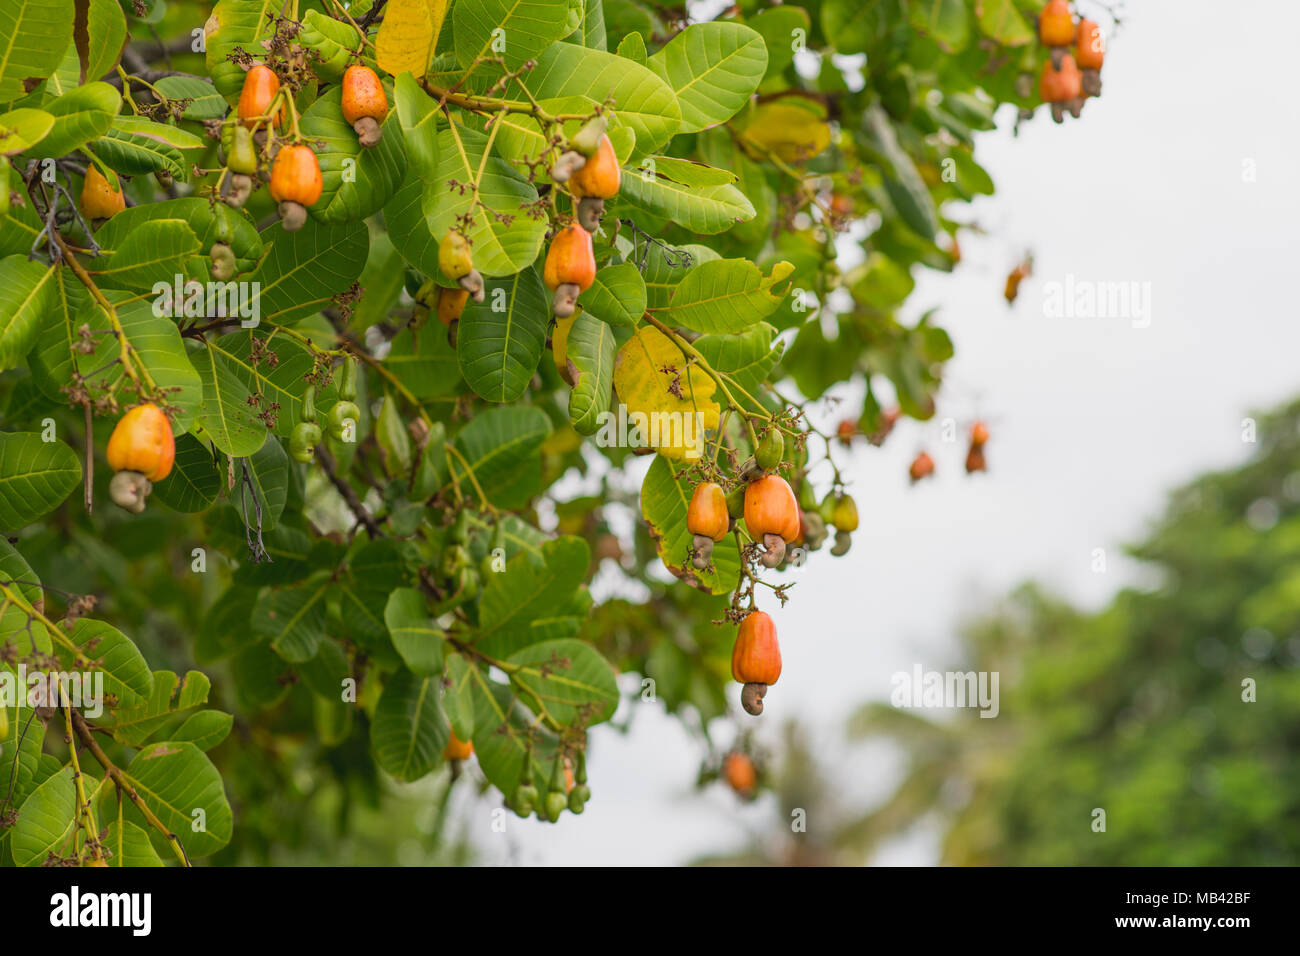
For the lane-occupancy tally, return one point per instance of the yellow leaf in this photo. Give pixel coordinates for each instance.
(409, 35)
(669, 402)
(793, 133)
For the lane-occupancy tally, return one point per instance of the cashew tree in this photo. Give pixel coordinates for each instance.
(344, 344)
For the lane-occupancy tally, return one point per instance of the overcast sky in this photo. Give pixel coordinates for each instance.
(1093, 420)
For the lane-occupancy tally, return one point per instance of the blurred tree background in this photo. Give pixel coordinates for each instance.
(1141, 709)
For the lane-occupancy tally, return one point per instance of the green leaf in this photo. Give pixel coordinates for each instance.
(382, 280)
(852, 29)
(777, 26)
(413, 632)
(618, 296)
(372, 574)
(707, 210)
(325, 673)
(573, 680)
(501, 339)
(13, 620)
(245, 241)
(80, 115)
(335, 42)
(394, 440)
(427, 366)
(45, 820)
(418, 114)
(33, 37)
(126, 675)
(35, 477)
(906, 188)
(632, 47)
(665, 500)
(663, 270)
(176, 779)
(26, 292)
(261, 676)
(225, 414)
(135, 146)
(590, 355)
(195, 480)
(294, 619)
(23, 128)
(713, 68)
(1001, 21)
(281, 383)
(22, 762)
(303, 270)
(500, 446)
(133, 726)
(409, 731)
(503, 728)
(502, 246)
(748, 357)
(236, 23)
(357, 180)
(458, 700)
(155, 341)
(687, 172)
(573, 79)
(205, 102)
(726, 295)
(205, 729)
(154, 252)
(529, 27)
(128, 845)
(590, 34)
(526, 591)
(946, 21)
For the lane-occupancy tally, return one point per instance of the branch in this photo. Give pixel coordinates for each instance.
(124, 786)
(150, 76)
(348, 492)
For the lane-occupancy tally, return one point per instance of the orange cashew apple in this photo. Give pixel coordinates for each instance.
(1062, 89)
(141, 451)
(1056, 28)
(738, 770)
(570, 268)
(707, 519)
(772, 516)
(1089, 54)
(364, 103)
(457, 749)
(922, 467)
(595, 182)
(295, 184)
(755, 660)
(260, 87)
(101, 199)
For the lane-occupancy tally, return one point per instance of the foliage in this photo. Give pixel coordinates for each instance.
(427, 572)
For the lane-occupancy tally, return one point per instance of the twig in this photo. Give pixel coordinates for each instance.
(124, 786)
(90, 461)
(349, 494)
